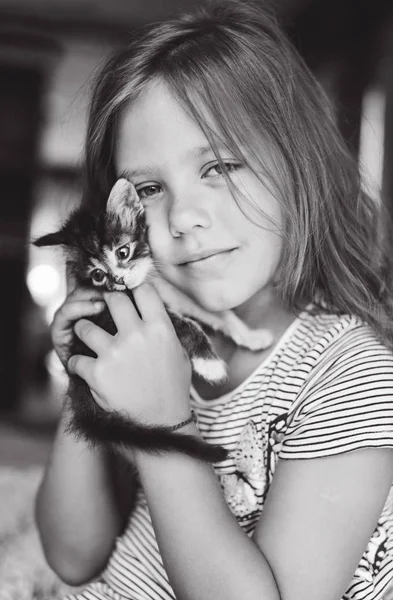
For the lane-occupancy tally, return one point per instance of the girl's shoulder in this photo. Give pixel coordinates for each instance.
(326, 336)
(326, 352)
(341, 388)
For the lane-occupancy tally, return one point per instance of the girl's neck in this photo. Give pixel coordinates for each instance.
(264, 310)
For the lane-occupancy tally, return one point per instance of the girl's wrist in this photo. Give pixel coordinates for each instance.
(192, 418)
(142, 457)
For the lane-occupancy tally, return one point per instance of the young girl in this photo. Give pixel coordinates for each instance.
(253, 204)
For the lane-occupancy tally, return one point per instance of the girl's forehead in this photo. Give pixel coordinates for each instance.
(156, 112)
(157, 125)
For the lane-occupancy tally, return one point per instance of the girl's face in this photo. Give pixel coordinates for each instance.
(203, 242)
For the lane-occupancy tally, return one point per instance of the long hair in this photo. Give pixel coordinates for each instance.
(232, 62)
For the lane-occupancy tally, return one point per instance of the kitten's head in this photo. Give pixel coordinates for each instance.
(107, 250)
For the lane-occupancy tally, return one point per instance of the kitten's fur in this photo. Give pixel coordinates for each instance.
(110, 251)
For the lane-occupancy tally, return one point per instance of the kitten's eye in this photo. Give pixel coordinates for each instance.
(98, 276)
(123, 253)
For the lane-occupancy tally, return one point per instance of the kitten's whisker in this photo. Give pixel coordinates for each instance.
(158, 263)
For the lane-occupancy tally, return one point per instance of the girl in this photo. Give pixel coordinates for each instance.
(253, 204)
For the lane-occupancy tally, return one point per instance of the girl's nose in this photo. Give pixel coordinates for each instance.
(184, 215)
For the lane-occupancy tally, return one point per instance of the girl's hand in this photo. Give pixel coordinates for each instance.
(141, 371)
(80, 302)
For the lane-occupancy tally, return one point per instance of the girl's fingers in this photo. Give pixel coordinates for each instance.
(122, 310)
(81, 293)
(70, 279)
(94, 337)
(72, 311)
(82, 366)
(149, 303)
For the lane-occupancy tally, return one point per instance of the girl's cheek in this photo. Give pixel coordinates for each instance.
(157, 238)
(155, 219)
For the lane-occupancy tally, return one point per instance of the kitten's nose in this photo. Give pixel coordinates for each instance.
(119, 280)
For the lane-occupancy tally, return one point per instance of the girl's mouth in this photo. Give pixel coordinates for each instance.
(210, 263)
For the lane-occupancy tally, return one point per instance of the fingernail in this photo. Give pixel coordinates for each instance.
(99, 306)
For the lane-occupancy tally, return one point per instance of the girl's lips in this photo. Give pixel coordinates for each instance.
(202, 254)
(211, 263)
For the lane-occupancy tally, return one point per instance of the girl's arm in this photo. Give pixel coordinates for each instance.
(81, 506)
(86, 493)
(205, 552)
(318, 518)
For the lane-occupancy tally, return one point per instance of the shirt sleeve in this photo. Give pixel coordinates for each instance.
(347, 403)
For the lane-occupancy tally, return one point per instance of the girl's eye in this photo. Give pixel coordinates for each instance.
(123, 253)
(217, 169)
(148, 191)
(98, 276)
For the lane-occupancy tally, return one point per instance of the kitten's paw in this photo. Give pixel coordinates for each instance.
(211, 369)
(257, 339)
(242, 335)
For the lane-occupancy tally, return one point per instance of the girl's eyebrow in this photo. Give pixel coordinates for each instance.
(193, 153)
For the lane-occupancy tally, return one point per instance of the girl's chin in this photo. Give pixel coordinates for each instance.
(219, 300)
(212, 296)
(211, 303)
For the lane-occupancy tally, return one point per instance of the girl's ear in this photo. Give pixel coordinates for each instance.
(52, 239)
(124, 202)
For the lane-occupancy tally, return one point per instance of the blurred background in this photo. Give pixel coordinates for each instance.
(49, 50)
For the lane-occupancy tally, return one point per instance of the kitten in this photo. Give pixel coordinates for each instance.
(109, 251)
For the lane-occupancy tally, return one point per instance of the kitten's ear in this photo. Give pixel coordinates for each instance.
(52, 239)
(124, 202)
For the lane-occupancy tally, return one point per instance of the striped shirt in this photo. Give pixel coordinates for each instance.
(326, 388)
